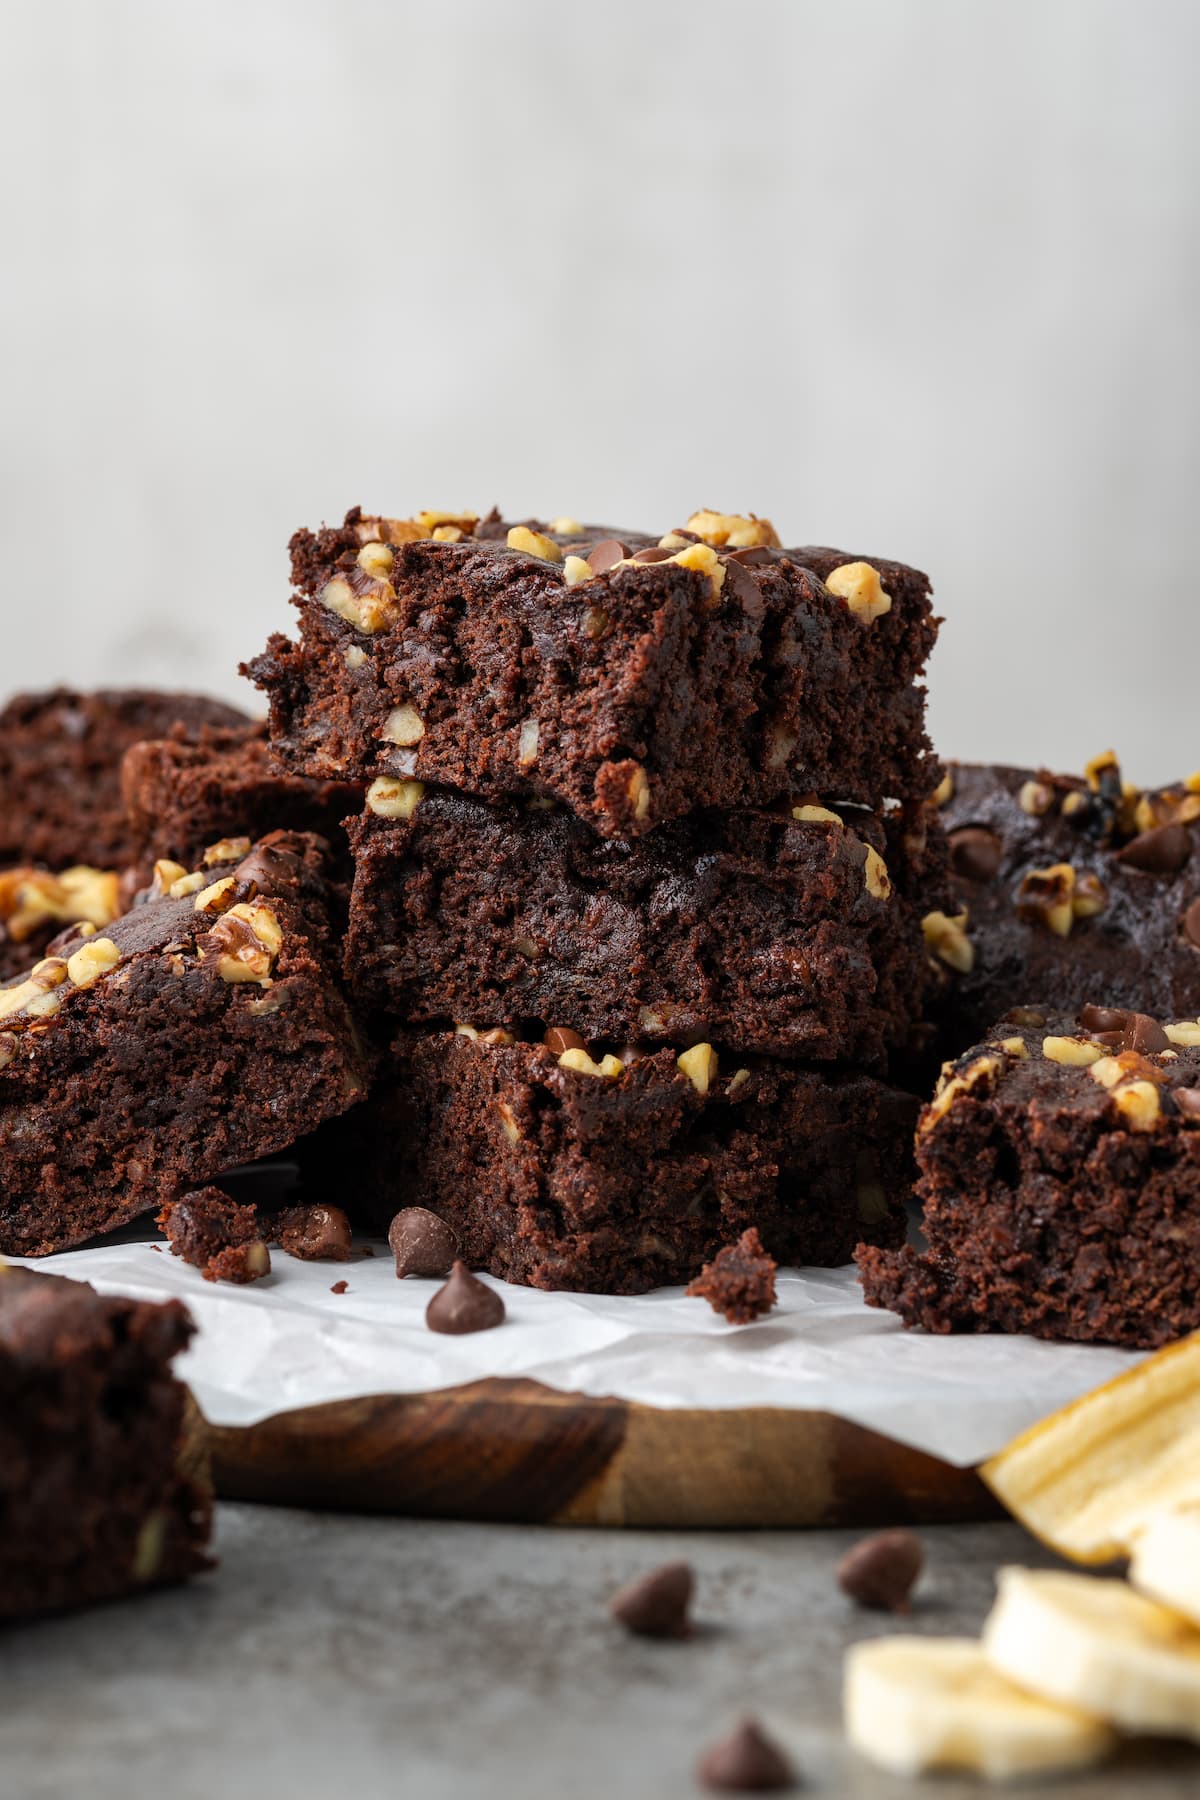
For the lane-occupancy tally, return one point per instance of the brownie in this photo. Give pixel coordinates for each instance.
(586, 1171)
(739, 1283)
(1075, 889)
(721, 671)
(780, 932)
(1060, 1173)
(103, 1486)
(60, 768)
(201, 1030)
(185, 791)
(216, 1235)
(35, 904)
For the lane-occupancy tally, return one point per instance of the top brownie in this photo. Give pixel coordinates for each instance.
(60, 768)
(1069, 889)
(631, 679)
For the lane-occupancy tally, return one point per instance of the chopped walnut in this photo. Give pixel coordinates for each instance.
(534, 543)
(733, 531)
(393, 799)
(858, 584)
(946, 936)
(699, 1064)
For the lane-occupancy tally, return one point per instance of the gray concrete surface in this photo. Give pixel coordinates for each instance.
(382, 1658)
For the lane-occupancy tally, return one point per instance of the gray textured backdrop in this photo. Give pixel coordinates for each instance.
(918, 279)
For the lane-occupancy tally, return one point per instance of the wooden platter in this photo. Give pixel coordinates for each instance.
(514, 1451)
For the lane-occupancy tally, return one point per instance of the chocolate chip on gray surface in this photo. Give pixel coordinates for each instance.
(421, 1242)
(339, 1287)
(746, 1762)
(464, 1305)
(656, 1604)
(975, 852)
(881, 1571)
(1163, 850)
(560, 1037)
(314, 1233)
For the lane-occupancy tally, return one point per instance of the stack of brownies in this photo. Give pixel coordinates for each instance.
(637, 884)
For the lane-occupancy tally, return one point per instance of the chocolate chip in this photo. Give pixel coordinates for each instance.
(339, 1287)
(746, 1762)
(1191, 924)
(603, 555)
(1188, 1101)
(1124, 1030)
(421, 1242)
(314, 1233)
(656, 1605)
(881, 1571)
(268, 867)
(975, 852)
(653, 553)
(755, 556)
(742, 585)
(1163, 850)
(560, 1037)
(465, 1304)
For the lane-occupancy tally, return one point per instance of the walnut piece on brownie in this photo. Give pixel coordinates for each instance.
(36, 903)
(201, 1030)
(513, 659)
(122, 1500)
(1060, 1173)
(564, 1165)
(739, 1282)
(60, 768)
(1066, 888)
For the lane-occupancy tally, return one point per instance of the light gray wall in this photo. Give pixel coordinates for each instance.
(915, 278)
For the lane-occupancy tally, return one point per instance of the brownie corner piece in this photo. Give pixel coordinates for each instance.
(541, 663)
(104, 1485)
(1059, 1167)
(572, 1168)
(202, 1029)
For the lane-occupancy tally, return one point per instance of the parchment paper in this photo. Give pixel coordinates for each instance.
(288, 1342)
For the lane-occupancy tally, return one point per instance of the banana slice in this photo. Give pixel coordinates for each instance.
(1087, 1479)
(1095, 1644)
(913, 1704)
(1166, 1561)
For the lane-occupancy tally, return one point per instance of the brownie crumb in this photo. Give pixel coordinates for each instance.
(465, 1304)
(339, 1287)
(881, 1571)
(745, 1762)
(740, 1280)
(217, 1236)
(314, 1233)
(656, 1604)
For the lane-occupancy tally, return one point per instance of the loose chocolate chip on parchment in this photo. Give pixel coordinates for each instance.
(882, 1570)
(421, 1242)
(1163, 850)
(314, 1233)
(656, 1604)
(464, 1305)
(746, 1762)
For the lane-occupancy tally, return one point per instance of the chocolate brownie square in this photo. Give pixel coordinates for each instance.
(560, 1168)
(1060, 1173)
(632, 680)
(201, 1030)
(60, 769)
(104, 1489)
(186, 791)
(793, 933)
(1068, 889)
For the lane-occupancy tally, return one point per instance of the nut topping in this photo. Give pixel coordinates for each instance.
(1076, 1053)
(404, 726)
(534, 543)
(638, 793)
(609, 1066)
(367, 612)
(577, 569)
(527, 744)
(943, 793)
(393, 799)
(226, 851)
(1057, 896)
(733, 531)
(813, 815)
(946, 937)
(376, 559)
(699, 1064)
(858, 584)
(216, 898)
(566, 527)
(92, 960)
(875, 875)
(1035, 798)
(245, 942)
